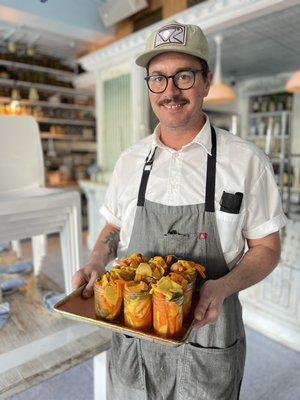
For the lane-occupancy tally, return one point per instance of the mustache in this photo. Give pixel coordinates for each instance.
(175, 99)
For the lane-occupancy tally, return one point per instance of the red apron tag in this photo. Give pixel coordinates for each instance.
(202, 235)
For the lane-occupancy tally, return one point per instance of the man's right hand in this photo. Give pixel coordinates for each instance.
(104, 251)
(85, 275)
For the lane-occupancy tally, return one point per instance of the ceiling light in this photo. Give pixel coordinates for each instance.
(293, 84)
(219, 92)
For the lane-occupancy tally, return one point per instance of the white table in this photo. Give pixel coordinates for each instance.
(41, 211)
(95, 193)
(36, 345)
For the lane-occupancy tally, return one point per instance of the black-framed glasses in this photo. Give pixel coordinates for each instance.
(183, 80)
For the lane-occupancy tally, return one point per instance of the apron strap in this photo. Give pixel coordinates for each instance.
(145, 176)
(211, 174)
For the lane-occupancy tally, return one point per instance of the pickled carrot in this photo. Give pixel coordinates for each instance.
(179, 278)
(201, 269)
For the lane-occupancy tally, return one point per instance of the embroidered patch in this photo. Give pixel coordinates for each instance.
(174, 34)
(202, 235)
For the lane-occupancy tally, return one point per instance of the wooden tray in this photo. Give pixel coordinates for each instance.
(76, 307)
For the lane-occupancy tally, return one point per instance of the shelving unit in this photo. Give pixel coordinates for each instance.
(65, 115)
(271, 131)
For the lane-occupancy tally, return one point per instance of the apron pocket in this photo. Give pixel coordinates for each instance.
(210, 373)
(184, 245)
(126, 360)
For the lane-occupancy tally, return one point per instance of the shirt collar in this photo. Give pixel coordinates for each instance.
(203, 138)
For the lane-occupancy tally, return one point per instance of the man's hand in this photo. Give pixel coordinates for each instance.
(212, 295)
(105, 250)
(261, 258)
(85, 275)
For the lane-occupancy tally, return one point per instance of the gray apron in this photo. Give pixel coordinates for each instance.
(209, 366)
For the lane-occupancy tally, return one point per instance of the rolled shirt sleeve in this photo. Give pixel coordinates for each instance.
(110, 209)
(264, 214)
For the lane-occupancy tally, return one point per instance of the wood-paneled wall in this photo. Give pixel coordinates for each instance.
(126, 27)
(171, 7)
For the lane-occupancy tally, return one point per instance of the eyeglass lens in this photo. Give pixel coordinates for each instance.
(182, 80)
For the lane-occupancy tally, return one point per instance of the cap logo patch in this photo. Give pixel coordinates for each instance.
(170, 34)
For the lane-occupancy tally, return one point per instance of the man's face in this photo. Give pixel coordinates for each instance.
(176, 108)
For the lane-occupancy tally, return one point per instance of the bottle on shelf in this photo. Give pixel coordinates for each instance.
(33, 94)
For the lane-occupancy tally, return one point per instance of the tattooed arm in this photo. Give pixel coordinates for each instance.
(104, 251)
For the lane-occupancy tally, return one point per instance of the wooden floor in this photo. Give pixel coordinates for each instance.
(36, 344)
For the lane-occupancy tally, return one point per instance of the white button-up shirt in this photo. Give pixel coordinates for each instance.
(179, 178)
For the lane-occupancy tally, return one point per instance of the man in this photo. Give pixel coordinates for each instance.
(197, 192)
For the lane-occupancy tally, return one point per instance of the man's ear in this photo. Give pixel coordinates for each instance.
(207, 83)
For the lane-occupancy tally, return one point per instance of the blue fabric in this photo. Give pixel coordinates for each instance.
(51, 298)
(4, 246)
(12, 285)
(4, 313)
(17, 268)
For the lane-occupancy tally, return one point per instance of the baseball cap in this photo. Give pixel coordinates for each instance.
(188, 39)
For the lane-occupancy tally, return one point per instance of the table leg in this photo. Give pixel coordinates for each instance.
(100, 376)
(38, 251)
(16, 246)
(71, 245)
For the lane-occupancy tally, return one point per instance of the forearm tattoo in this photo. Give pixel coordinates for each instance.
(112, 241)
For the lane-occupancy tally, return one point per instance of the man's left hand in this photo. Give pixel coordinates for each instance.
(212, 295)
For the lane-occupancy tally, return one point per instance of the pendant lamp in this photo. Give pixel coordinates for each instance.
(219, 93)
(293, 84)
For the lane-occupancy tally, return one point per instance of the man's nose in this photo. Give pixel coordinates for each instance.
(171, 88)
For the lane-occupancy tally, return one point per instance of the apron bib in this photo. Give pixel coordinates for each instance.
(210, 365)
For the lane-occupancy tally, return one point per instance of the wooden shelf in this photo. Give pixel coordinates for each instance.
(78, 145)
(45, 87)
(61, 121)
(7, 100)
(47, 135)
(268, 114)
(263, 137)
(37, 68)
